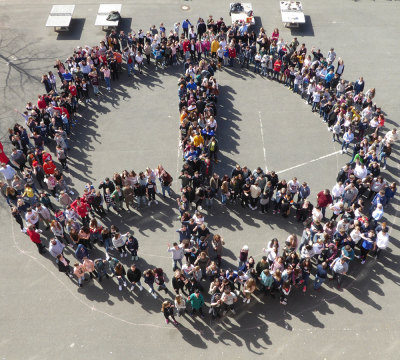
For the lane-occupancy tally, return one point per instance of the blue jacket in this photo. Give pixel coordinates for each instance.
(81, 252)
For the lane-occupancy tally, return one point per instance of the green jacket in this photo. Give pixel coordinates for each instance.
(196, 302)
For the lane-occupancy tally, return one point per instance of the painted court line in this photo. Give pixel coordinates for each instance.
(263, 143)
(308, 162)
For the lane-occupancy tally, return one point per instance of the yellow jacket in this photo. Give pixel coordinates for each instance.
(214, 46)
(198, 140)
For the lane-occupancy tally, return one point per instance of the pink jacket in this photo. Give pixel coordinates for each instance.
(206, 45)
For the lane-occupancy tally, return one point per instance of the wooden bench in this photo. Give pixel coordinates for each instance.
(102, 14)
(60, 17)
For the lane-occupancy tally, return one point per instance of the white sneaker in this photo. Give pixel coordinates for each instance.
(136, 258)
(122, 255)
(244, 300)
(233, 312)
(149, 203)
(125, 284)
(140, 287)
(133, 287)
(384, 168)
(150, 291)
(71, 192)
(120, 288)
(156, 202)
(154, 295)
(23, 230)
(248, 301)
(126, 254)
(200, 208)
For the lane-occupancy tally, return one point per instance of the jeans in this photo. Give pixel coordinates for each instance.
(296, 88)
(131, 68)
(141, 199)
(107, 244)
(209, 202)
(314, 106)
(257, 65)
(175, 264)
(345, 145)
(223, 198)
(166, 189)
(382, 157)
(108, 82)
(121, 280)
(318, 282)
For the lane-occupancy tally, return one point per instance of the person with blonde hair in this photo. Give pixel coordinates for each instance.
(168, 310)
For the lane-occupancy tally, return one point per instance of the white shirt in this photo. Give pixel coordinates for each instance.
(360, 171)
(382, 240)
(338, 190)
(32, 218)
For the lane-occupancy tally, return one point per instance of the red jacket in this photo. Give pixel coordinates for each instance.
(3, 157)
(232, 52)
(42, 103)
(324, 200)
(186, 45)
(49, 167)
(62, 110)
(277, 65)
(34, 236)
(82, 210)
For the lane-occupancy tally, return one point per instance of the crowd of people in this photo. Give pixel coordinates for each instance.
(36, 186)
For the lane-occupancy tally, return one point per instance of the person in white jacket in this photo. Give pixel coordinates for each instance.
(337, 191)
(119, 243)
(382, 241)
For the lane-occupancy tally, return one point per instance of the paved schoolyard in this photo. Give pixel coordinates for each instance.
(44, 314)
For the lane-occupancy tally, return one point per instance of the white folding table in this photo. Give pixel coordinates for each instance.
(104, 10)
(243, 17)
(60, 17)
(292, 13)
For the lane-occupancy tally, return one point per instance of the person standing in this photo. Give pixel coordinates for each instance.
(177, 255)
(320, 276)
(133, 246)
(34, 236)
(134, 275)
(324, 198)
(196, 301)
(228, 300)
(119, 243)
(339, 268)
(382, 241)
(63, 265)
(168, 310)
(79, 272)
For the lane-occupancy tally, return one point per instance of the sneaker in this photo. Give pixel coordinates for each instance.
(154, 296)
(120, 288)
(237, 292)
(133, 287)
(233, 312)
(125, 284)
(136, 258)
(304, 288)
(167, 321)
(126, 254)
(23, 230)
(156, 202)
(283, 302)
(140, 287)
(384, 168)
(122, 255)
(244, 300)
(132, 258)
(150, 291)
(149, 203)
(362, 262)
(224, 313)
(175, 323)
(200, 208)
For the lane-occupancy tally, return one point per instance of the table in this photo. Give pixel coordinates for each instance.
(292, 13)
(104, 10)
(243, 16)
(60, 17)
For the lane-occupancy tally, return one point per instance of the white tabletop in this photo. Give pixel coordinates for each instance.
(62, 9)
(59, 20)
(105, 9)
(291, 6)
(101, 20)
(293, 17)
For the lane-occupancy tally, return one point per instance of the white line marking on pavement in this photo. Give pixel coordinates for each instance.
(263, 143)
(308, 162)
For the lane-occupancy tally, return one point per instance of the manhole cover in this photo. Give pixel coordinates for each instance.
(185, 7)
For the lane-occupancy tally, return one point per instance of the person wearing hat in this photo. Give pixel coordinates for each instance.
(196, 301)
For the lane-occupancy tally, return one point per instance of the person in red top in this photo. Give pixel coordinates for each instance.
(34, 235)
(324, 199)
(232, 55)
(277, 68)
(62, 110)
(82, 210)
(41, 102)
(49, 167)
(4, 158)
(72, 89)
